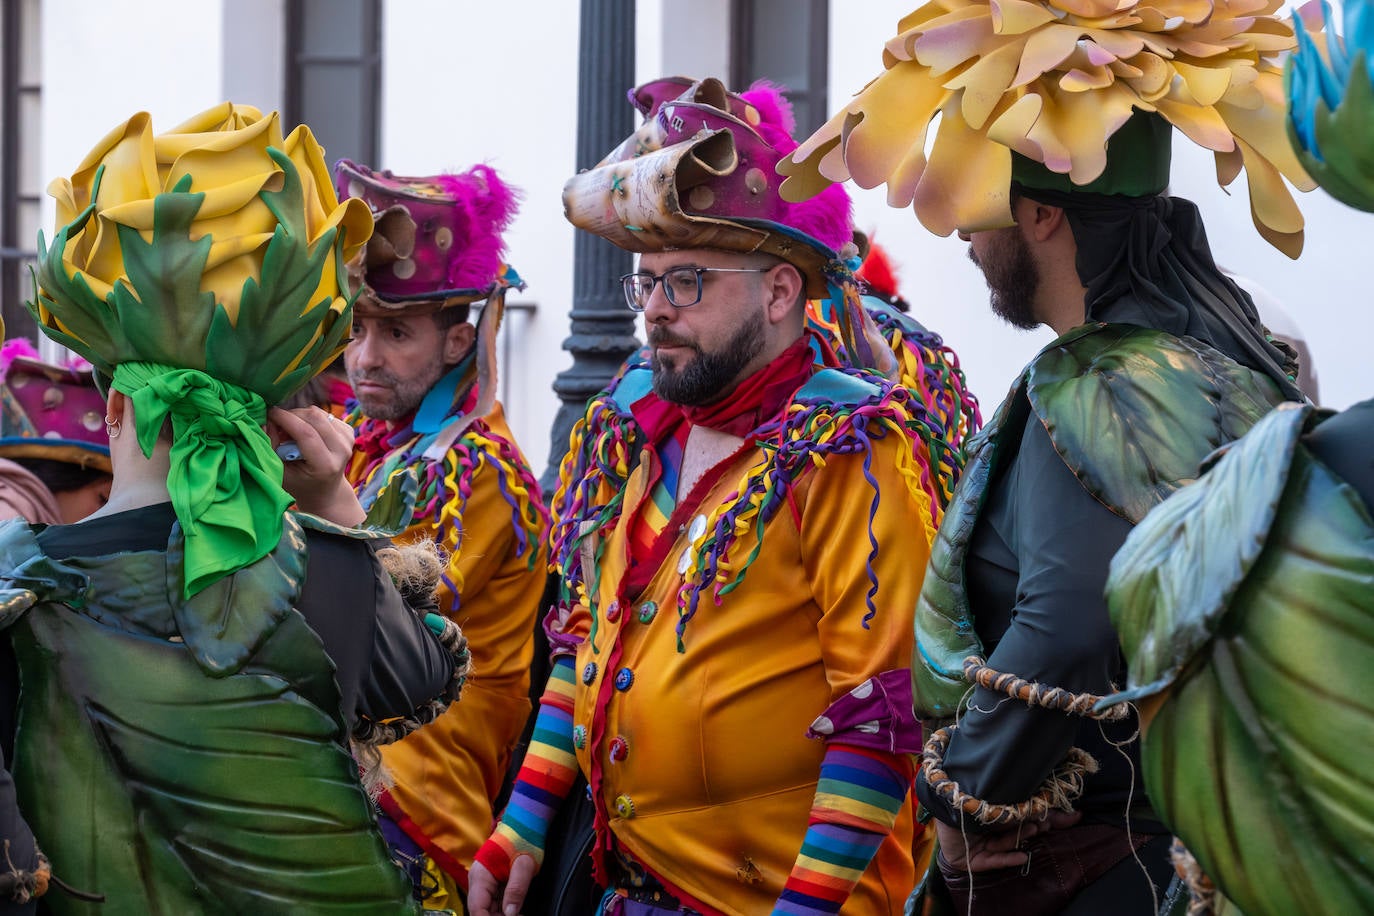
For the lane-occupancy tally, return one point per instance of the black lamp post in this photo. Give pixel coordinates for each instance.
(603, 327)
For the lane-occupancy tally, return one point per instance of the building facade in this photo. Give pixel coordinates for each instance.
(419, 86)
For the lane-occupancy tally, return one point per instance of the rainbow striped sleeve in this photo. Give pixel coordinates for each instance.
(545, 777)
(857, 801)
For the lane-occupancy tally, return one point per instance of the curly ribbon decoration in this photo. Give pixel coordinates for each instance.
(225, 479)
(446, 485)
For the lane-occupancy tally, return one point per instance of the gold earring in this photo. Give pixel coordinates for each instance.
(112, 426)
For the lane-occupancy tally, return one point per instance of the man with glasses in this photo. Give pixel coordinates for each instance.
(740, 535)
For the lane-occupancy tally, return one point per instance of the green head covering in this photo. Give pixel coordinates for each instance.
(1138, 157)
(202, 272)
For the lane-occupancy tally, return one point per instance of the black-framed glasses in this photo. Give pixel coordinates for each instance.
(682, 285)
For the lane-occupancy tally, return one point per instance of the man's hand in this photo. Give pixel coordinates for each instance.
(999, 849)
(484, 890)
(316, 480)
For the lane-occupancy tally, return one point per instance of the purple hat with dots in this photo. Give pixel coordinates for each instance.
(701, 173)
(50, 411)
(438, 239)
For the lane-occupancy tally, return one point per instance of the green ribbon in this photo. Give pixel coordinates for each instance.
(225, 479)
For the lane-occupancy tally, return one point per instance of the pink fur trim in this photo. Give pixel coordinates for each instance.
(777, 122)
(16, 348)
(486, 206)
(829, 216)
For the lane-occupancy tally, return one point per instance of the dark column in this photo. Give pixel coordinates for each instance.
(603, 327)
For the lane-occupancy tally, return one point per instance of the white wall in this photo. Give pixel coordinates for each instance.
(254, 54)
(464, 84)
(104, 60)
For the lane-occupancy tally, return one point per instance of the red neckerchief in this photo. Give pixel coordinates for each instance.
(755, 401)
(760, 397)
(375, 439)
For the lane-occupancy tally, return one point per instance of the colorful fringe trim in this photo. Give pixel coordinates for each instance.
(930, 369)
(810, 430)
(444, 488)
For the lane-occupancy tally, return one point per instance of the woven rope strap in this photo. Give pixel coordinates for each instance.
(22, 886)
(1058, 792)
(1201, 890)
(1031, 693)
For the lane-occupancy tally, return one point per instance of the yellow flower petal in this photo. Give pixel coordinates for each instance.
(1086, 80)
(873, 147)
(954, 42)
(963, 161)
(1229, 165)
(1204, 126)
(1154, 81)
(985, 83)
(1263, 131)
(1089, 9)
(1272, 207)
(127, 148)
(219, 158)
(1045, 50)
(224, 116)
(1012, 17)
(1081, 68)
(1012, 128)
(1207, 84)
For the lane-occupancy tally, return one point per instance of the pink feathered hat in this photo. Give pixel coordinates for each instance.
(438, 239)
(701, 172)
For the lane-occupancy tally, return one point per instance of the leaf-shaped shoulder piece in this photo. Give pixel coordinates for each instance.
(1133, 411)
(945, 635)
(225, 623)
(1255, 752)
(391, 512)
(28, 575)
(1173, 580)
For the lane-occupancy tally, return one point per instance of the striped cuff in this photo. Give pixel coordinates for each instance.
(545, 777)
(858, 798)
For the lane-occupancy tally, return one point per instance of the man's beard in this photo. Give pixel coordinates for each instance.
(705, 376)
(1012, 278)
(404, 396)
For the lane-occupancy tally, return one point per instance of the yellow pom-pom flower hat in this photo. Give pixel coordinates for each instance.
(201, 272)
(1064, 95)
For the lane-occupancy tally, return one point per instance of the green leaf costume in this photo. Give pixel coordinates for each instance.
(1243, 605)
(181, 743)
(204, 736)
(1132, 411)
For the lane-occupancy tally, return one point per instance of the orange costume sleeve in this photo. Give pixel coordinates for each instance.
(447, 774)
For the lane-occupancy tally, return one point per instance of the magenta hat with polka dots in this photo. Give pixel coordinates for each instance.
(701, 173)
(438, 239)
(50, 411)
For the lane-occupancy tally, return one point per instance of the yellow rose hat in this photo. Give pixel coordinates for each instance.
(1053, 81)
(202, 274)
(218, 245)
